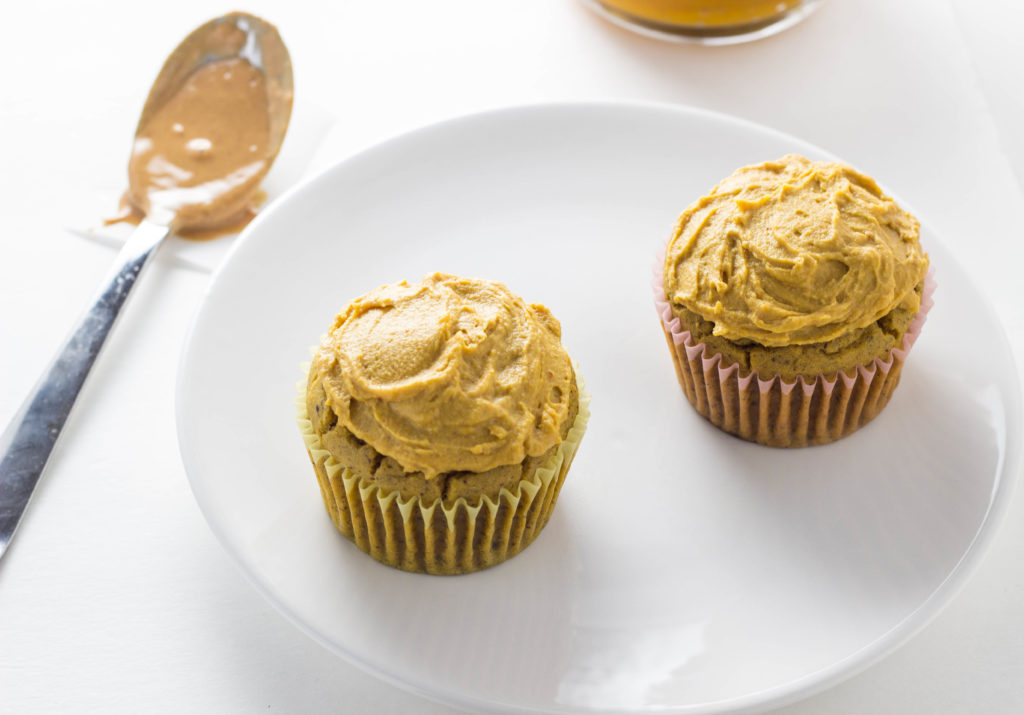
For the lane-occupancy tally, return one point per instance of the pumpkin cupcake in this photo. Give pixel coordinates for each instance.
(441, 419)
(789, 296)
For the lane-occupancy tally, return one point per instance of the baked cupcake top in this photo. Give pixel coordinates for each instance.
(794, 252)
(450, 374)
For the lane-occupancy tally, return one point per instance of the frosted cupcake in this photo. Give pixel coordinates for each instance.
(441, 419)
(790, 296)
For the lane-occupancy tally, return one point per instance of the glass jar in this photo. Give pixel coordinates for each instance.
(711, 22)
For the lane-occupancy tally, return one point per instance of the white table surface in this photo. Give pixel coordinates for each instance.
(115, 596)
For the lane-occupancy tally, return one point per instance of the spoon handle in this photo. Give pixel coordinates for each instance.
(26, 444)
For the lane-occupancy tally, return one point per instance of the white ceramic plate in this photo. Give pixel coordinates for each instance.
(683, 570)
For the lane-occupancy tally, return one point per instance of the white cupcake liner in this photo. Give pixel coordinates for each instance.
(434, 537)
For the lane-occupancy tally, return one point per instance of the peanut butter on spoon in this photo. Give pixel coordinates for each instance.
(203, 146)
(202, 155)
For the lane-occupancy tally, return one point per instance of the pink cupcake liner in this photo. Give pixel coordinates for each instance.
(772, 411)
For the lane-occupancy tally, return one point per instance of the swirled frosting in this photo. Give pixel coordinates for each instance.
(793, 252)
(450, 374)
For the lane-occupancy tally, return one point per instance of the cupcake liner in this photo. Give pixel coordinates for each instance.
(436, 538)
(773, 412)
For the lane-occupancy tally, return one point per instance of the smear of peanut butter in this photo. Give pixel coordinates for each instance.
(794, 252)
(199, 158)
(128, 213)
(451, 374)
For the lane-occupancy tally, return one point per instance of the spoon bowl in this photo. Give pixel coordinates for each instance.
(212, 125)
(235, 35)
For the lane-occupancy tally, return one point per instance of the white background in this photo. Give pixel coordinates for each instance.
(115, 595)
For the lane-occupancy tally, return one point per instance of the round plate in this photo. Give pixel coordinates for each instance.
(683, 570)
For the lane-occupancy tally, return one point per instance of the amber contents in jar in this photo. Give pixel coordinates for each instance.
(704, 12)
(711, 21)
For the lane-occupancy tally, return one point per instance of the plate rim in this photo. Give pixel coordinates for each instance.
(773, 697)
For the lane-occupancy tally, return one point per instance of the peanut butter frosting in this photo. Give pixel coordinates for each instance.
(450, 374)
(794, 252)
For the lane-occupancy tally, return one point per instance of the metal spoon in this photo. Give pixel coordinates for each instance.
(26, 444)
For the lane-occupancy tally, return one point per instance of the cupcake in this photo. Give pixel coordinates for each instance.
(790, 296)
(441, 419)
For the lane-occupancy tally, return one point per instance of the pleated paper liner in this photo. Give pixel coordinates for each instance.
(807, 411)
(435, 537)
